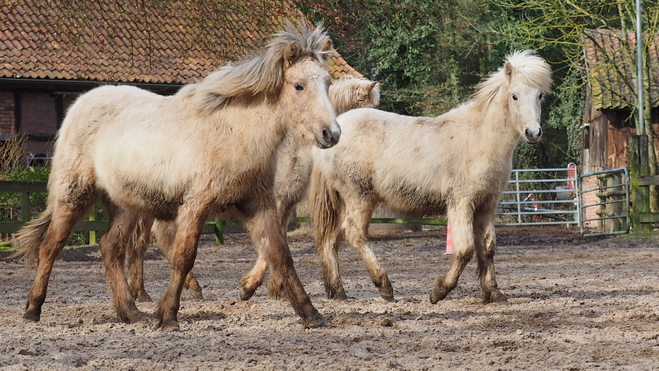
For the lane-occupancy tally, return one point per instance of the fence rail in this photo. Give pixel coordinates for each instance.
(527, 200)
(608, 210)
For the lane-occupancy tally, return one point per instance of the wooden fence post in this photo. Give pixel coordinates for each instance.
(639, 166)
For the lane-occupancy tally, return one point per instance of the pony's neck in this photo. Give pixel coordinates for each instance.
(499, 125)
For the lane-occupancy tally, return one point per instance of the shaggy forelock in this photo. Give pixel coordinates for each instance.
(527, 66)
(263, 73)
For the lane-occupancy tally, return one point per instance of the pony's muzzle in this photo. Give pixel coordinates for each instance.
(328, 138)
(532, 136)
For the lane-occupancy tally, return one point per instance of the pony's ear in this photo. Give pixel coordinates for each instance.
(327, 45)
(508, 70)
(372, 85)
(291, 52)
(326, 49)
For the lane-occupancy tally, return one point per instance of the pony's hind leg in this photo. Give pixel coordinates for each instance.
(485, 239)
(463, 241)
(52, 229)
(355, 228)
(121, 226)
(135, 251)
(254, 279)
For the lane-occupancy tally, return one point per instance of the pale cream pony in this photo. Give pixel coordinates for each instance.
(291, 183)
(207, 150)
(456, 164)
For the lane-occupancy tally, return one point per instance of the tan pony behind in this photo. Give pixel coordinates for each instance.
(457, 163)
(207, 150)
(291, 183)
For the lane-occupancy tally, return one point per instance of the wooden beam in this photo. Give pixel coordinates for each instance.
(648, 180)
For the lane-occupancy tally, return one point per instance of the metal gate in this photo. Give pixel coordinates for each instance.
(604, 202)
(540, 197)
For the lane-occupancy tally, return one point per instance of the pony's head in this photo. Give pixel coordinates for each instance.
(525, 79)
(291, 72)
(351, 92)
(305, 87)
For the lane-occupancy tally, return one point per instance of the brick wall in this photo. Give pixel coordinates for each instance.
(39, 115)
(7, 112)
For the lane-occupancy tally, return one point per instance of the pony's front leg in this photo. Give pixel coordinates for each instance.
(271, 241)
(164, 233)
(485, 238)
(463, 242)
(112, 245)
(190, 223)
(135, 251)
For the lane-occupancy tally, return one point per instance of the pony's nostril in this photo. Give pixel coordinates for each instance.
(327, 135)
(539, 132)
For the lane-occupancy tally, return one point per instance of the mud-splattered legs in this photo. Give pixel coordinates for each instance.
(164, 233)
(355, 227)
(463, 242)
(485, 239)
(63, 219)
(121, 226)
(135, 256)
(271, 242)
(190, 222)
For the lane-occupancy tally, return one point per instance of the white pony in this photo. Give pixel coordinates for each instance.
(291, 183)
(209, 149)
(457, 163)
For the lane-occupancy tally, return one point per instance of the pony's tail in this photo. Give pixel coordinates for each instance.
(326, 209)
(27, 240)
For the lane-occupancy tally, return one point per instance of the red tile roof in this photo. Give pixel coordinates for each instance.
(609, 89)
(165, 42)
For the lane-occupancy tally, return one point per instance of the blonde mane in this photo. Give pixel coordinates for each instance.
(525, 66)
(263, 73)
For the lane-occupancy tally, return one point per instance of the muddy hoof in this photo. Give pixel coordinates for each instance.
(144, 298)
(32, 316)
(275, 295)
(314, 322)
(437, 295)
(169, 326)
(245, 295)
(194, 294)
(388, 298)
(496, 298)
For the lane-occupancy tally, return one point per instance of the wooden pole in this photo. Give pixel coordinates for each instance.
(639, 166)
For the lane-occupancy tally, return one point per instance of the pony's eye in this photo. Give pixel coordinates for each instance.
(298, 86)
(541, 96)
(515, 97)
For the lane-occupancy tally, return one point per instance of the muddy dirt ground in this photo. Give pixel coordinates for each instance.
(576, 303)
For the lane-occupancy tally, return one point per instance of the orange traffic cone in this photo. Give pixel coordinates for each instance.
(449, 240)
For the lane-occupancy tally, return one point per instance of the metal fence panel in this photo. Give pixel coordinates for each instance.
(540, 197)
(605, 202)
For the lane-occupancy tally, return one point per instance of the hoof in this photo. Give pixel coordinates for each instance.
(133, 317)
(144, 298)
(245, 295)
(437, 295)
(32, 316)
(276, 295)
(194, 294)
(495, 298)
(169, 326)
(314, 322)
(388, 298)
(340, 296)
